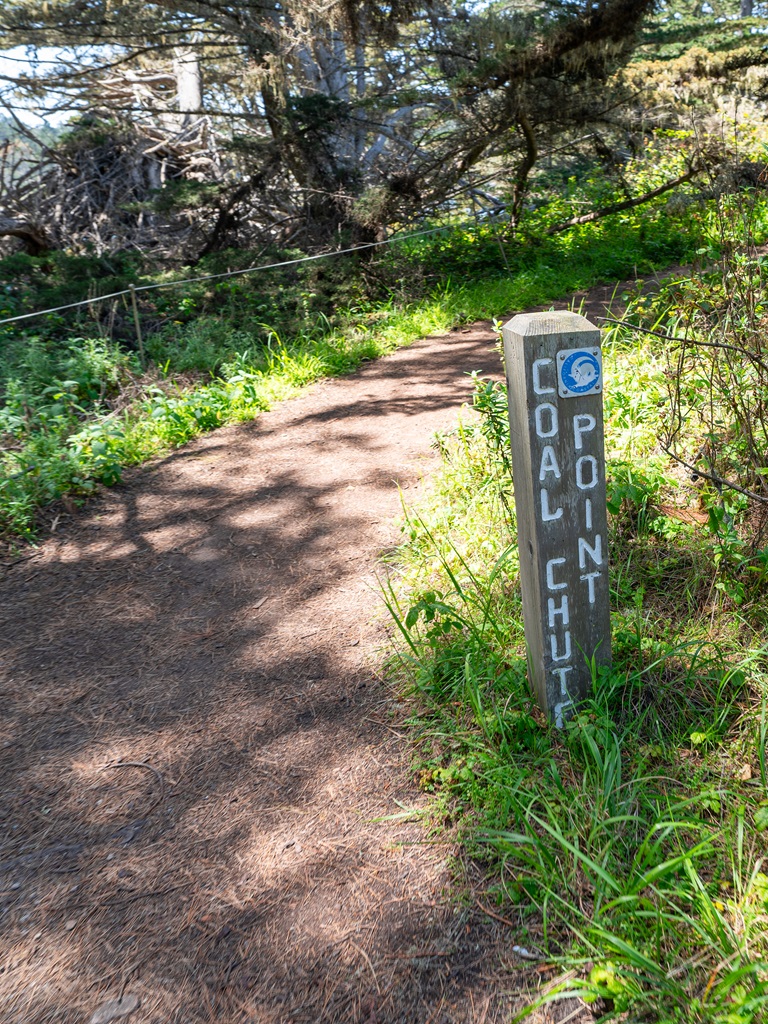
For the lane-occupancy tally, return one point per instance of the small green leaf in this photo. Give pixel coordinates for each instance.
(761, 818)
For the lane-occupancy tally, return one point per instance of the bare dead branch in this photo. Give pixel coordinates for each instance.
(690, 341)
(718, 481)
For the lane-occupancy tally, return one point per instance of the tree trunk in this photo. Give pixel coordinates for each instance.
(189, 84)
(33, 237)
(525, 168)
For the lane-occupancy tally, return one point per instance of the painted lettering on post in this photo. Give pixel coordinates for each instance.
(554, 377)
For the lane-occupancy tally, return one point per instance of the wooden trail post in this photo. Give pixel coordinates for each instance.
(137, 325)
(555, 383)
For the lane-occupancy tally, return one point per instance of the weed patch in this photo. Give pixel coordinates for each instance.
(77, 406)
(627, 848)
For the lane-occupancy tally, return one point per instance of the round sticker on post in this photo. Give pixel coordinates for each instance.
(579, 372)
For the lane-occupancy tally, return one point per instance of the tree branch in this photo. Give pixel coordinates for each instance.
(690, 341)
(525, 168)
(718, 481)
(626, 204)
(34, 239)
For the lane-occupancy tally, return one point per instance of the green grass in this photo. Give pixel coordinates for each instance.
(77, 406)
(77, 409)
(629, 847)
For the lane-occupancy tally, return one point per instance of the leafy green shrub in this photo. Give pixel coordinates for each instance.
(256, 338)
(633, 493)
(30, 283)
(625, 848)
(204, 345)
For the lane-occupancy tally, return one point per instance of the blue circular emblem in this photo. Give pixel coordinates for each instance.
(580, 372)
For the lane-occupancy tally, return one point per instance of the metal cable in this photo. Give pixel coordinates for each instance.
(214, 277)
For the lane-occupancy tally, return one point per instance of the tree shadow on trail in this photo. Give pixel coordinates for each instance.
(202, 788)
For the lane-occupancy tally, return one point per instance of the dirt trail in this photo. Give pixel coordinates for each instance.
(195, 743)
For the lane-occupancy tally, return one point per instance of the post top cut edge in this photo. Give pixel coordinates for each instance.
(551, 321)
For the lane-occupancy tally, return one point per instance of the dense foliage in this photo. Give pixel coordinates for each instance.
(508, 154)
(79, 406)
(629, 849)
(206, 125)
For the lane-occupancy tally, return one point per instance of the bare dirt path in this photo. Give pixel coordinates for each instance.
(195, 742)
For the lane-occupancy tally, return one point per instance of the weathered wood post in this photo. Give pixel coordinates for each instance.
(555, 383)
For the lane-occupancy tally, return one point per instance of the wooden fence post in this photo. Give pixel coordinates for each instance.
(555, 383)
(137, 325)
